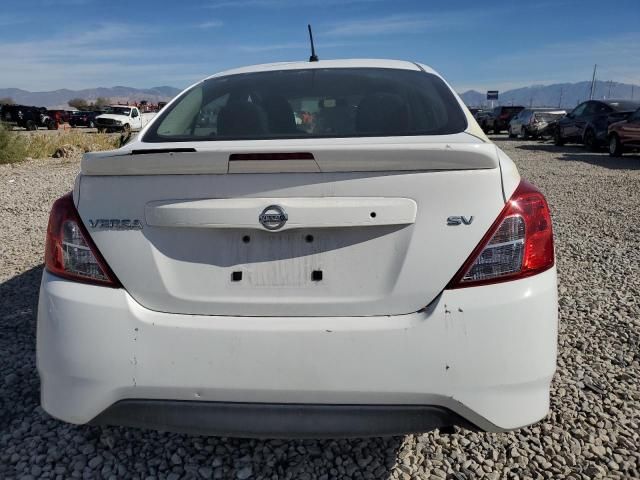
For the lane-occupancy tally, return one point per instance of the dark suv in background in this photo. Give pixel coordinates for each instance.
(24, 116)
(83, 119)
(588, 122)
(498, 120)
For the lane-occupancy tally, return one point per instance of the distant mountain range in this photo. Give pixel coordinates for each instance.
(59, 98)
(566, 95)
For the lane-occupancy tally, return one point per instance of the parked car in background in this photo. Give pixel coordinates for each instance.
(216, 277)
(498, 120)
(624, 135)
(122, 118)
(5, 113)
(588, 123)
(83, 119)
(481, 118)
(532, 122)
(30, 118)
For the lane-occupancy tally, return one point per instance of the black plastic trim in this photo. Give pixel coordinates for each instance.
(278, 420)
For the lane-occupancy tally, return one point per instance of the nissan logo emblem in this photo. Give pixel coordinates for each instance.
(273, 217)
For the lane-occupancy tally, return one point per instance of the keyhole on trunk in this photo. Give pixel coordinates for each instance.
(373, 214)
(246, 239)
(309, 238)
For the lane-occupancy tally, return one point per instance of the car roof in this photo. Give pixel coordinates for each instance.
(322, 64)
(621, 104)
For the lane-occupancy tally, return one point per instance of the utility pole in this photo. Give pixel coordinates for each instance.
(631, 92)
(593, 82)
(560, 100)
(609, 94)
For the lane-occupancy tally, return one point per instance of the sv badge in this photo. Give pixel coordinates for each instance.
(459, 220)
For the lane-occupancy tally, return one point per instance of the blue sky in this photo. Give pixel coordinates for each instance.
(51, 44)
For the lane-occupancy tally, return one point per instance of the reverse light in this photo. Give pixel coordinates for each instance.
(70, 252)
(518, 244)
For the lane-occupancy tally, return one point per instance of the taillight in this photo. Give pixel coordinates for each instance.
(518, 244)
(70, 252)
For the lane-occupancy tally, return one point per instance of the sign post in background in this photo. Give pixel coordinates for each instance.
(492, 95)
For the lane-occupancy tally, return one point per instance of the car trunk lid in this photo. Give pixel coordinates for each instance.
(358, 229)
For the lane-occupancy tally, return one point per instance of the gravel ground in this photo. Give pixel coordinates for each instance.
(592, 430)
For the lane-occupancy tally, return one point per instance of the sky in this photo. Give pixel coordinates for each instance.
(489, 44)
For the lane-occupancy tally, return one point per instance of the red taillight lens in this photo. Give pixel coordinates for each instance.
(70, 252)
(518, 244)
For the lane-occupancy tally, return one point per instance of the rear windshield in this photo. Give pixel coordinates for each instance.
(314, 103)
(622, 106)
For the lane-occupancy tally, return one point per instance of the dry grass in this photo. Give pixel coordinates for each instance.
(16, 147)
(12, 149)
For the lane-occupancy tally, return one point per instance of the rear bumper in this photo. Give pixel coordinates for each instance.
(278, 420)
(483, 354)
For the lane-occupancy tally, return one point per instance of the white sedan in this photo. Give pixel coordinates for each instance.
(377, 267)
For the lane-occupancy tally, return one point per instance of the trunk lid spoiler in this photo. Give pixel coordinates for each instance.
(295, 156)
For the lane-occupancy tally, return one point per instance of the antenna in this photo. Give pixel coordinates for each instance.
(313, 57)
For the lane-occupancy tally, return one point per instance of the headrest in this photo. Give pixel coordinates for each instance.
(279, 115)
(382, 113)
(241, 119)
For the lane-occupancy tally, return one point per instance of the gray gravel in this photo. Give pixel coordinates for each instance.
(591, 432)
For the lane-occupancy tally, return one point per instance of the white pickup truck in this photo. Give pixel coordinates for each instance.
(123, 118)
